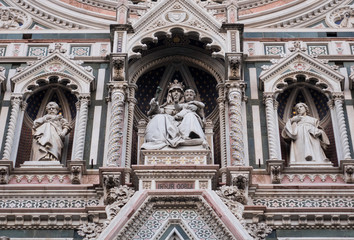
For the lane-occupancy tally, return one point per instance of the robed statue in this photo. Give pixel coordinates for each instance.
(49, 132)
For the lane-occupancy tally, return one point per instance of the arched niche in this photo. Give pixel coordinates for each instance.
(324, 97)
(60, 79)
(195, 68)
(317, 101)
(35, 107)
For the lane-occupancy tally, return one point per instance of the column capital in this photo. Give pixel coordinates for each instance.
(84, 98)
(338, 96)
(16, 98)
(117, 85)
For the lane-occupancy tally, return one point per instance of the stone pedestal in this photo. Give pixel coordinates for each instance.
(175, 177)
(191, 155)
(41, 164)
(311, 165)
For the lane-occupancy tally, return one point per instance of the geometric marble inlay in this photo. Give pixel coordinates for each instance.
(80, 51)
(317, 50)
(2, 51)
(274, 50)
(37, 51)
(47, 203)
(304, 202)
(189, 219)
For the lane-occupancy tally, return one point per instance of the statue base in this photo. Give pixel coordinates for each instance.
(42, 164)
(311, 165)
(191, 155)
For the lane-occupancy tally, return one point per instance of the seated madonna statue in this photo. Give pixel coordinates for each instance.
(307, 139)
(48, 134)
(175, 122)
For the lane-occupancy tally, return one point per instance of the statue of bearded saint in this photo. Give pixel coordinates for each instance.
(48, 134)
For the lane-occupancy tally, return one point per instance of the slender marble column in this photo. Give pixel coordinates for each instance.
(235, 97)
(81, 128)
(222, 117)
(131, 105)
(271, 126)
(338, 103)
(116, 124)
(15, 104)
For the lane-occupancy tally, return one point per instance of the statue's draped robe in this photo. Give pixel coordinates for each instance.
(163, 130)
(306, 140)
(47, 144)
(191, 126)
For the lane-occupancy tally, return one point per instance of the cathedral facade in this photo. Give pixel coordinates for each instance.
(185, 119)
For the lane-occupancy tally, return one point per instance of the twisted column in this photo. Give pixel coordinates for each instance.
(81, 131)
(271, 126)
(15, 108)
(132, 102)
(338, 103)
(236, 124)
(116, 124)
(221, 102)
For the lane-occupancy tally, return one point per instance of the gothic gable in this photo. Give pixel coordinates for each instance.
(185, 16)
(275, 77)
(67, 72)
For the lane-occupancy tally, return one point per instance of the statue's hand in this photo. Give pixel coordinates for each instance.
(153, 103)
(177, 117)
(295, 119)
(63, 133)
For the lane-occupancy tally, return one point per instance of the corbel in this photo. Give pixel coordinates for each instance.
(77, 169)
(275, 168)
(6, 168)
(347, 167)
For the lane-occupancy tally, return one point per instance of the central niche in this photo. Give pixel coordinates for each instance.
(193, 77)
(318, 108)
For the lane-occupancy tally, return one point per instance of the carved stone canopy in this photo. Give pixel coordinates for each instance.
(68, 72)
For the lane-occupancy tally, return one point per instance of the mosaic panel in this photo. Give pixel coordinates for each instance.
(47, 203)
(189, 217)
(37, 51)
(302, 202)
(2, 51)
(80, 51)
(317, 50)
(274, 50)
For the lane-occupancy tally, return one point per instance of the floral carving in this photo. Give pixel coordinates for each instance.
(117, 197)
(258, 231)
(234, 199)
(90, 230)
